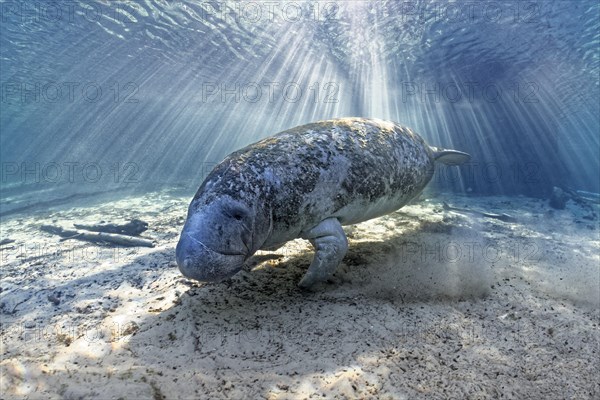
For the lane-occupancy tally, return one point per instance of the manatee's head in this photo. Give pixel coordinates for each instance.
(216, 239)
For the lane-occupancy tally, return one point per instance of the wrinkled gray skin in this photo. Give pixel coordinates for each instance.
(305, 182)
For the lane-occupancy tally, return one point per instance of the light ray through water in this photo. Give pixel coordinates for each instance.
(195, 68)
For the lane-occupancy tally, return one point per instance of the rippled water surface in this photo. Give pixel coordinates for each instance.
(153, 92)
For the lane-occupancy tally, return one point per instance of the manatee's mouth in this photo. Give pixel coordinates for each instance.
(200, 262)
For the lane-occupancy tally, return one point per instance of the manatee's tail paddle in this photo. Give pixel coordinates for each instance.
(450, 157)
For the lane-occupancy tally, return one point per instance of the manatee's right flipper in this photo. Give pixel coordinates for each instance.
(330, 243)
(449, 157)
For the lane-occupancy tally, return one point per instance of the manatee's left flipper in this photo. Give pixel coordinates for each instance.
(330, 243)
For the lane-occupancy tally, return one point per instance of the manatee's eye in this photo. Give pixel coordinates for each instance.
(236, 213)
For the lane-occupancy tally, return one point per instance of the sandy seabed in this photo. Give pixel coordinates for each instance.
(427, 303)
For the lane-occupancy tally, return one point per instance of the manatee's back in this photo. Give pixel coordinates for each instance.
(380, 166)
(352, 168)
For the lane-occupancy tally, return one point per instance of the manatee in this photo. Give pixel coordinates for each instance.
(305, 182)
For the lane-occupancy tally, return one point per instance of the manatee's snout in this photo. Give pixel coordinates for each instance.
(199, 262)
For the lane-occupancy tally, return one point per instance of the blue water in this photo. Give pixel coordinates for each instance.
(138, 95)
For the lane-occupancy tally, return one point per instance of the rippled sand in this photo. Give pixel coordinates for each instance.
(427, 304)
